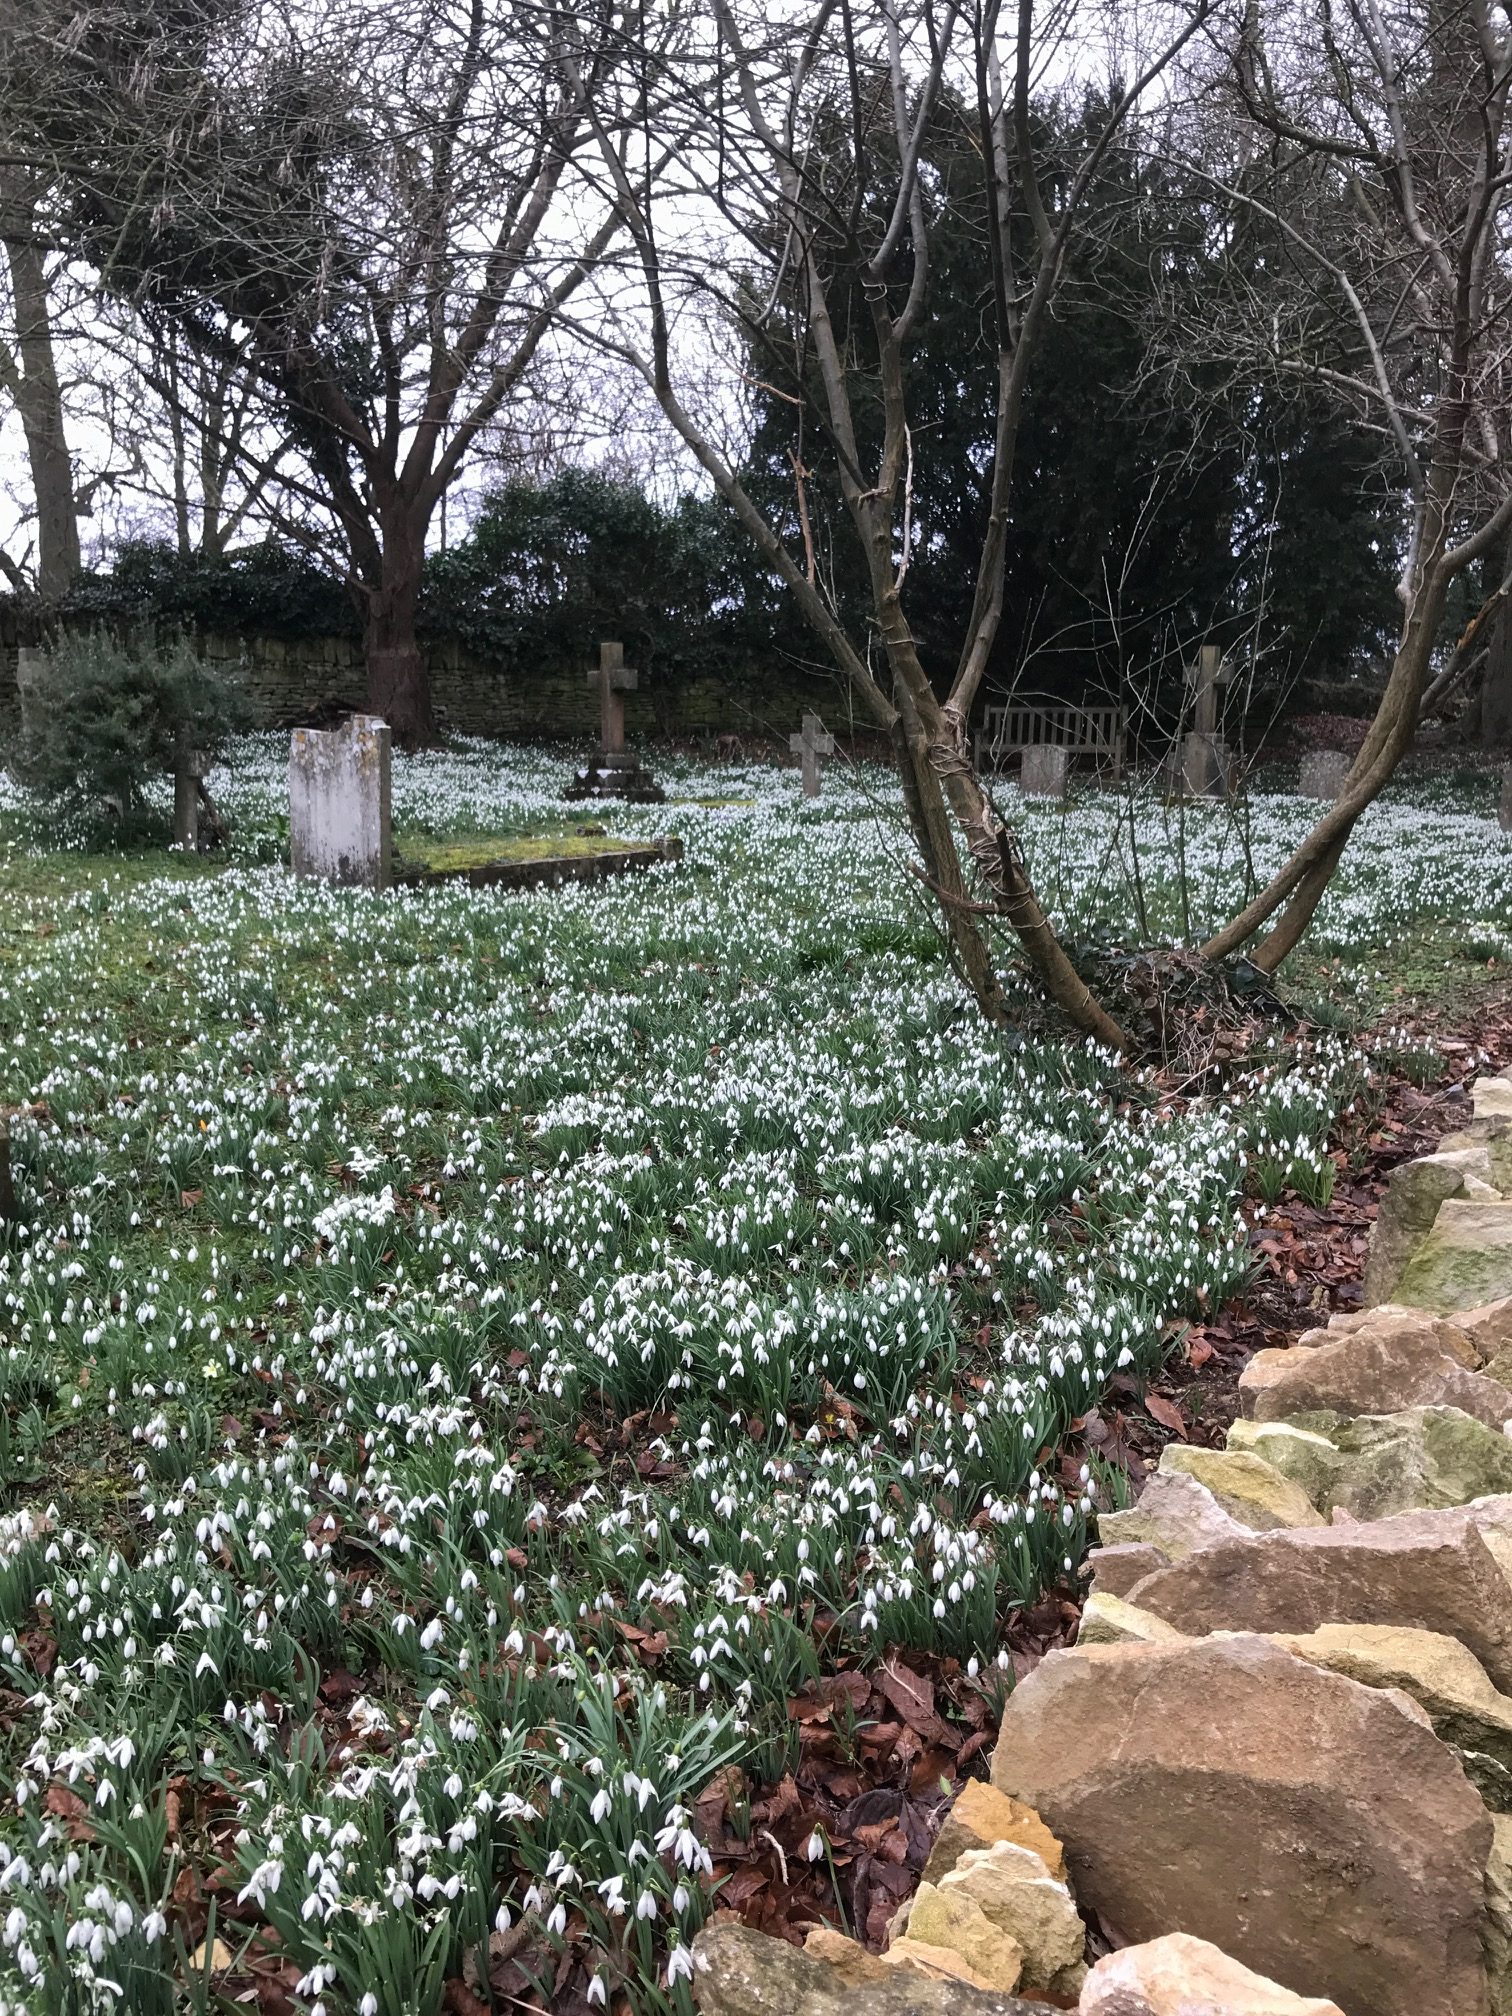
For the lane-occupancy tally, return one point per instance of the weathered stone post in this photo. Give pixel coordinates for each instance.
(189, 767)
(1323, 773)
(339, 803)
(1045, 771)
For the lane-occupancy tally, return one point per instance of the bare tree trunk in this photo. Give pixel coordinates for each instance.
(930, 822)
(398, 679)
(40, 402)
(1495, 710)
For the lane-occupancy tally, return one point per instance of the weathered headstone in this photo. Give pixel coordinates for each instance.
(190, 767)
(1205, 759)
(1323, 773)
(1504, 809)
(810, 743)
(339, 810)
(613, 771)
(1044, 771)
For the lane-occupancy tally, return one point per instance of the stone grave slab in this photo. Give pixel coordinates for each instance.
(340, 818)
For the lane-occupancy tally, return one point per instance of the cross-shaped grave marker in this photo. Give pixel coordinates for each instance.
(614, 772)
(810, 743)
(614, 679)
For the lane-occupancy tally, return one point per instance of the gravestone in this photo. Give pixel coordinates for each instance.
(1504, 809)
(190, 767)
(1206, 762)
(809, 744)
(614, 772)
(1323, 774)
(339, 811)
(1044, 772)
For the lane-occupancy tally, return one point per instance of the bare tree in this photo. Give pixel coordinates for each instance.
(804, 144)
(29, 374)
(1371, 141)
(368, 208)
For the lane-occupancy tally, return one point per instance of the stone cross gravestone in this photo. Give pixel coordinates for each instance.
(1323, 773)
(189, 768)
(339, 809)
(1045, 769)
(614, 772)
(810, 743)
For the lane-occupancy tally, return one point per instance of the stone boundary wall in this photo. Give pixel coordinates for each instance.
(297, 681)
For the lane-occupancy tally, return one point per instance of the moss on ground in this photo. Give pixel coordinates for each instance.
(438, 855)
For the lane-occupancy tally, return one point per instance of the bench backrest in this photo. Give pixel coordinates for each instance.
(1012, 725)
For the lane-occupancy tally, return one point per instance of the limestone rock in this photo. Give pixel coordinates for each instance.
(1368, 1371)
(1464, 1262)
(1491, 1098)
(1314, 1828)
(953, 1917)
(1309, 1459)
(1115, 1570)
(1244, 1485)
(1113, 1620)
(1175, 1513)
(1410, 1203)
(981, 1815)
(848, 1957)
(1465, 1709)
(1448, 1334)
(1412, 1460)
(1429, 1570)
(936, 1963)
(1496, 1929)
(1418, 1459)
(1182, 1976)
(1489, 1328)
(1018, 1894)
(746, 1973)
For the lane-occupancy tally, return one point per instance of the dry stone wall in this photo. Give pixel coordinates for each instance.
(292, 682)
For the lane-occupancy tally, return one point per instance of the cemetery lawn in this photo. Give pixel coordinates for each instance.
(489, 1378)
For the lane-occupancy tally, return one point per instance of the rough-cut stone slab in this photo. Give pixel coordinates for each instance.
(982, 1815)
(1367, 1371)
(954, 1918)
(1445, 1680)
(1304, 1455)
(1496, 1931)
(1420, 1459)
(747, 1973)
(1445, 1333)
(1182, 1976)
(1115, 1570)
(1244, 1485)
(1019, 1896)
(1175, 1513)
(1113, 1620)
(1465, 1260)
(1432, 1571)
(1315, 1829)
(1491, 1098)
(1410, 1203)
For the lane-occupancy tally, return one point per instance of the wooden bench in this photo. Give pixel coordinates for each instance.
(1012, 726)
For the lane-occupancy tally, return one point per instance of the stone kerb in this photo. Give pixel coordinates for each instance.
(340, 822)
